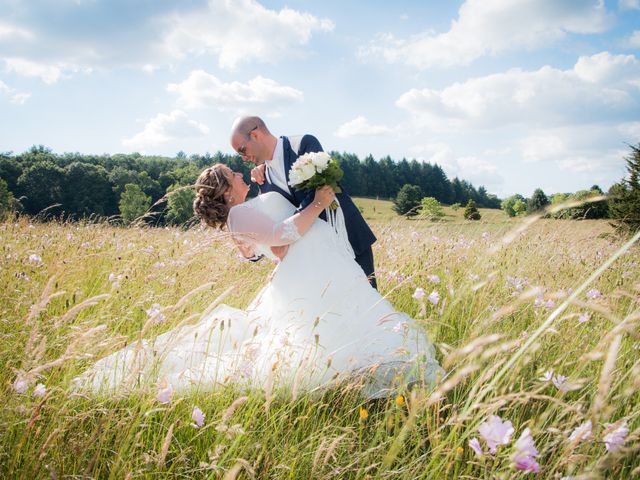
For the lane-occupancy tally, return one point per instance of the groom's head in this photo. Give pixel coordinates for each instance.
(251, 138)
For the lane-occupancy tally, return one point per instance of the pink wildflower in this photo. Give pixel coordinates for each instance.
(583, 317)
(495, 432)
(526, 452)
(198, 417)
(615, 438)
(527, 464)
(581, 432)
(155, 313)
(474, 444)
(165, 392)
(560, 382)
(433, 278)
(434, 297)
(593, 294)
(33, 258)
(40, 390)
(525, 444)
(20, 385)
(418, 294)
(546, 376)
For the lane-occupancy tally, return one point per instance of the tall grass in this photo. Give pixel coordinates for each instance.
(516, 301)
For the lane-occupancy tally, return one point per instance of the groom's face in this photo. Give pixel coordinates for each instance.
(247, 146)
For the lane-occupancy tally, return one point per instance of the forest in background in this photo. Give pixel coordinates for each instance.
(74, 185)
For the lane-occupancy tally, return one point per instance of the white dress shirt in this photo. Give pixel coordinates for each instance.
(275, 167)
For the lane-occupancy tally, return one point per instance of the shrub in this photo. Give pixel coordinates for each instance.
(471, 211)
(431, 208)
(408, 200)
(133, 203)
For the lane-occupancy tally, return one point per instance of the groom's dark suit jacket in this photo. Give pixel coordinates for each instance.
(360, 235)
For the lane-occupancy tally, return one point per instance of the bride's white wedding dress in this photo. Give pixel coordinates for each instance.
(317, 320)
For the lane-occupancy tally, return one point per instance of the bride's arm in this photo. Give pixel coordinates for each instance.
(250, 224)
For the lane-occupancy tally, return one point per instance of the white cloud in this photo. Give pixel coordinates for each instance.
(435, 152)
(18, 98)
(360, 127)
(633, 40)
(537, 148)
(604, 67)
(631, 129)
(48, 73)
(578, 164)
(12, 32)
(164, 128)
(478, 171)
(576, 149)
(239, 31)
(202, 89)
(150, 35)
(490, 27)
(599, 88)
(629, 4)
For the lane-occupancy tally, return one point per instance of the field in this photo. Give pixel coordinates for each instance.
(536, 323)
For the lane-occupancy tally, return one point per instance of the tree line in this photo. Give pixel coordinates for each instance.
(75, 186)
(621, 203)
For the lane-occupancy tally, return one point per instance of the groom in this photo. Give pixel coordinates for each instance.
(274, 157)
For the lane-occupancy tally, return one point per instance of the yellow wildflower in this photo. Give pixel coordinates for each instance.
(363, 414)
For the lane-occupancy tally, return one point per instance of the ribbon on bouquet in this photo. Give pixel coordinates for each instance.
(335, 218)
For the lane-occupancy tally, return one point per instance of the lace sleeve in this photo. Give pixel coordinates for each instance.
(251, 225)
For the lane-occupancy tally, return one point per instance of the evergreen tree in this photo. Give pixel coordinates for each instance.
(133, 203)
(624, 205)
(471, 211)
(408, 200)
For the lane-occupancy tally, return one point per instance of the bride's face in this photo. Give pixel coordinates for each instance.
(237, 188)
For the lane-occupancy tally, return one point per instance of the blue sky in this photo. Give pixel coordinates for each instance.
(510, 94)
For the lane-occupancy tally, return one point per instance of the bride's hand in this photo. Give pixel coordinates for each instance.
(257, 174)
(280, 251)
(323, 197)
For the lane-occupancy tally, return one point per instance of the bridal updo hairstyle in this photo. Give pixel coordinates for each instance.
(209, 205)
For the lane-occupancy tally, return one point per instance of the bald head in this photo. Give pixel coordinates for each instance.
(253, 141)
(244, 125)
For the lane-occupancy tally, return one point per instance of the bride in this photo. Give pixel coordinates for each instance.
(317, 320)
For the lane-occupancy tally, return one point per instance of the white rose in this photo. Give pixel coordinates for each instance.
(307, 171)
(294, 178)
(320, 160)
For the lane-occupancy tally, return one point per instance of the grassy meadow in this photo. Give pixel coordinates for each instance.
(536, 322)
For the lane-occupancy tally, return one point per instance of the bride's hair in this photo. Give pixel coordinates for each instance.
(209, 205)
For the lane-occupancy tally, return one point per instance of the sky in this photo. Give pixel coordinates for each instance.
(510, 94)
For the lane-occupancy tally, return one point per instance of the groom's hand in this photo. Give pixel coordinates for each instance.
(280, 251)
(257, 174)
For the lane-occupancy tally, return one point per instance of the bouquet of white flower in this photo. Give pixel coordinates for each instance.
(316, 169)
